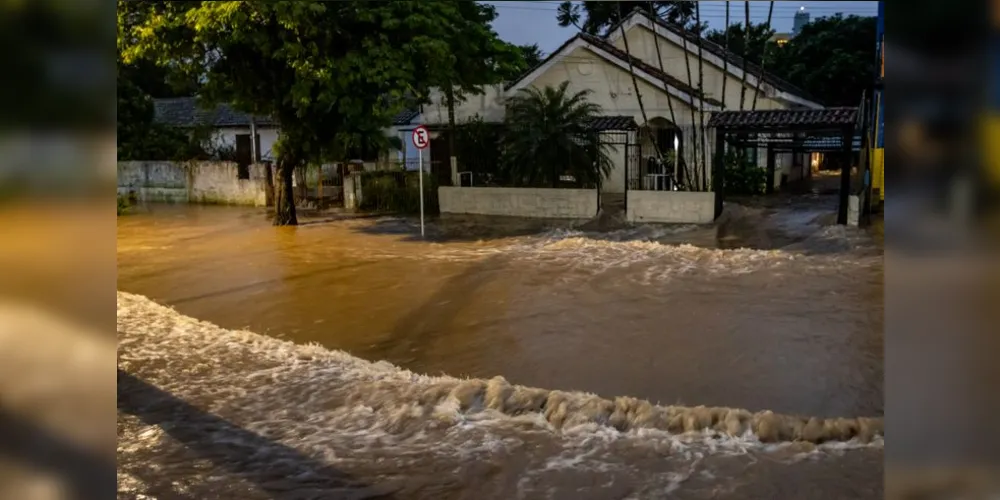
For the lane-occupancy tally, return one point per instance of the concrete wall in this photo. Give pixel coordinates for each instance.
(678, 207)
(519, 202)
(192, 182)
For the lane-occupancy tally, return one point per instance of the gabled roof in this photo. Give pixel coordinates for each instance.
(614, 55)
(785, 119)
(735, 61)
(405, 116)
(185, 112)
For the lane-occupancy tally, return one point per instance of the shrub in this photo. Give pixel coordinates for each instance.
(123, 205)
(743, 176)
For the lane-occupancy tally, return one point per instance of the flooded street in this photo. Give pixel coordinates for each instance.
(672, 315)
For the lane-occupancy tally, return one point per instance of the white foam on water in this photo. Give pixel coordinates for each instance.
(294, 391)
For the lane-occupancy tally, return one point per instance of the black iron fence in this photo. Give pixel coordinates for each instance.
(394, 191)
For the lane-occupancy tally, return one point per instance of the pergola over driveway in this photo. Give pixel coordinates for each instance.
(786, 130)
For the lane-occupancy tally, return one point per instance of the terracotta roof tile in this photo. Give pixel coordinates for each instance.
(185, 112)
(787, 119)
(617, 122)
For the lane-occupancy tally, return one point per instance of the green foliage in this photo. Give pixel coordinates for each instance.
(122, 205)
(139, 138)
(532, 55)
(397, 192)
(743, 176)
(832, 58)
(328, 73)
(760, 46)
(125, 203)
(548, 136)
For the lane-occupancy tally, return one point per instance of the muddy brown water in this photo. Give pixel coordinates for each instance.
(675, 315)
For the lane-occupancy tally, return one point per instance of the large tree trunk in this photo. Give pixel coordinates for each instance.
(284, 198)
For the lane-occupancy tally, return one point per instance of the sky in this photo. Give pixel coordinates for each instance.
(526, 22)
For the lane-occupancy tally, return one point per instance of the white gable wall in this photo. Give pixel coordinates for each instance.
(642, 44)
(611, 88)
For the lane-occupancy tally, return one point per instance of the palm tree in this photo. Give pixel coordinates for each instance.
(549, 135)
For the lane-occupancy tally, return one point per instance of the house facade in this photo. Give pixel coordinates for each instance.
(662, 55)
(230, 131)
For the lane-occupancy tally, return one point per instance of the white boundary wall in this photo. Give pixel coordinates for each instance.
(519, 202)
(192, 182)
(678, 207)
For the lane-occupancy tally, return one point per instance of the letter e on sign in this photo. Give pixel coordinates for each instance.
(421, 137)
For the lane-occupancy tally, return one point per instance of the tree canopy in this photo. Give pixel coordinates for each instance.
(329, 73)
(759, 41)
(832, 58)
(532, 55)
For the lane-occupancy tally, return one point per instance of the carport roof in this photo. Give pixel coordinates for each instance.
(784, 119)
(613, 122)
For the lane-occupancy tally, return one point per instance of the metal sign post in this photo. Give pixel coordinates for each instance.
(421, 139)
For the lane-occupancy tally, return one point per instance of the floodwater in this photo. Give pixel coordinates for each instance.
(773, 311)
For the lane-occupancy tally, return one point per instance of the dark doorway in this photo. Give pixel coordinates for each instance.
(244, 155)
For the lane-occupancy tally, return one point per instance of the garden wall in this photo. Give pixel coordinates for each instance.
(192, 182)
(519, 202)
(678, 207)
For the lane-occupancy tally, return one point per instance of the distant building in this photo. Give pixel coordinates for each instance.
(781, 38)
(801, 19)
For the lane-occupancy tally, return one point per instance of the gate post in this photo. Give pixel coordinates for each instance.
(719, 169)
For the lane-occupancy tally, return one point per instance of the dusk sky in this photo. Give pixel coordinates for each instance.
(524, 22)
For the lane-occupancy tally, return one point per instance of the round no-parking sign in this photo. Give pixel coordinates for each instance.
(421, 137)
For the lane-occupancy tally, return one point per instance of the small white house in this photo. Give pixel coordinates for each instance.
(672, 107)
(231, 129)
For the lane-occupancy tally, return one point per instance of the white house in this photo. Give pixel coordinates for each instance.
(230, 129)
(601, 65)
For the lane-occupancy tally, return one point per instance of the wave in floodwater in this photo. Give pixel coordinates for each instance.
(284, 389)
(655, 253)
